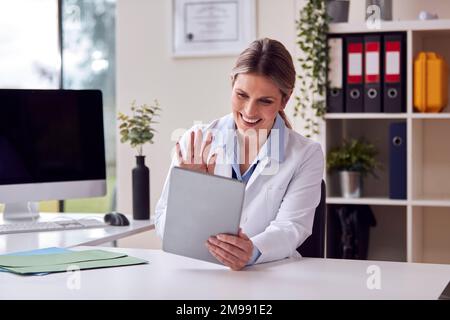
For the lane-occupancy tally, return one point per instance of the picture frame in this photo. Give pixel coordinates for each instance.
(203, 28)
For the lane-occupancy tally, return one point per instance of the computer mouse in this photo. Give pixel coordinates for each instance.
(116, 219)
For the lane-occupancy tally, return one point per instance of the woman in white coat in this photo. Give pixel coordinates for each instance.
(256, 144)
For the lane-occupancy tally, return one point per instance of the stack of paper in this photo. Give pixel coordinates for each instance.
(27, 264)
(37, 251)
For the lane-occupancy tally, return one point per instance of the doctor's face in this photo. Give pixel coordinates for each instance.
(255, 102)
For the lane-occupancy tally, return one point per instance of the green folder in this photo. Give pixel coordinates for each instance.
(61, 262)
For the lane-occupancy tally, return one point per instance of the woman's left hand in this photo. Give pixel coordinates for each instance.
(233, 251)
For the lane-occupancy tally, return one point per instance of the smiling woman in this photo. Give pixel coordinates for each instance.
(256, 101)
(255, 144)
(279, 74)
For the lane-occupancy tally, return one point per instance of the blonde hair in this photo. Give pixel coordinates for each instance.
(269, 58)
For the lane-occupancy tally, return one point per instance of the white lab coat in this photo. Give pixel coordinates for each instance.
(280, 197)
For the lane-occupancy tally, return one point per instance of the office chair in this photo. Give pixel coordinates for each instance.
(314, 245)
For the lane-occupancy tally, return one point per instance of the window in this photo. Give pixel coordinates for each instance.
(31, 57)
(29, 53)
(89, 63)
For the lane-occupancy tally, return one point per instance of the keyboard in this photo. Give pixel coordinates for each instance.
(59, 225)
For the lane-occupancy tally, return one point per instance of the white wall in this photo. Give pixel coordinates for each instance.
(188, 89)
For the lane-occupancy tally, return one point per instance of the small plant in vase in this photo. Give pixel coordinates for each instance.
(138, 130)
(353, 160)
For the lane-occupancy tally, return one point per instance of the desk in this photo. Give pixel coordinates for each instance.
(168, 276)
(70, 238)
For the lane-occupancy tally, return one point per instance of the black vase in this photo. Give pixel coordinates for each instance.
(141, 190)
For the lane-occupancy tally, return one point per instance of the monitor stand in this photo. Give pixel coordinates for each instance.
(21, 211)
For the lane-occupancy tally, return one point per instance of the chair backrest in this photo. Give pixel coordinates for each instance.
(314, 245)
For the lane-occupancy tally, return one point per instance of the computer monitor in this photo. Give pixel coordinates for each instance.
(51, 148)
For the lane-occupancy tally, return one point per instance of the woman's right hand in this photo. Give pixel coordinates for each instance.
(197, 153)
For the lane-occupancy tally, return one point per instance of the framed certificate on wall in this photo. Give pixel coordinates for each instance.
(212, 27)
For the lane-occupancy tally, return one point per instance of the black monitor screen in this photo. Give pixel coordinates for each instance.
(51, 136)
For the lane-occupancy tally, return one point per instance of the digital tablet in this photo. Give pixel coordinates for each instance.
(200, 205)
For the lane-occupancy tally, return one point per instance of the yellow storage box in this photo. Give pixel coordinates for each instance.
(430, 82)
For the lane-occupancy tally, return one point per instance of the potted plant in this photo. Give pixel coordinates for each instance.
(313, 26)
(353, 160)
(312, 32)
(137, 130)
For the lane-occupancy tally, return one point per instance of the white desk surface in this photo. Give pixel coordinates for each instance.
(70, 238)
(168, 276)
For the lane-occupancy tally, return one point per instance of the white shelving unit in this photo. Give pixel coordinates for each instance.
(423, 219)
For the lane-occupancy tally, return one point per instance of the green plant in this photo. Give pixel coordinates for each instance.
(137, 129)
(312, 39)
(354, 155)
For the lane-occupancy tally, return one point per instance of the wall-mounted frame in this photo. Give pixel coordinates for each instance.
(212, 27)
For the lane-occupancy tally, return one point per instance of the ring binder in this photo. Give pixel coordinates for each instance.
(394, 73)
(354, 97)
(372, 78)
(335, 91)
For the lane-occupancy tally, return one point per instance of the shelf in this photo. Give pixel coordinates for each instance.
(368, 201)
(431, 203)
(343, 116)
(375, 131)
(386, 239)
(338, 116)
(430, 116)
(414, 229)
(430, 171)
(389, 202)
(429, 237)
(386, 26)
